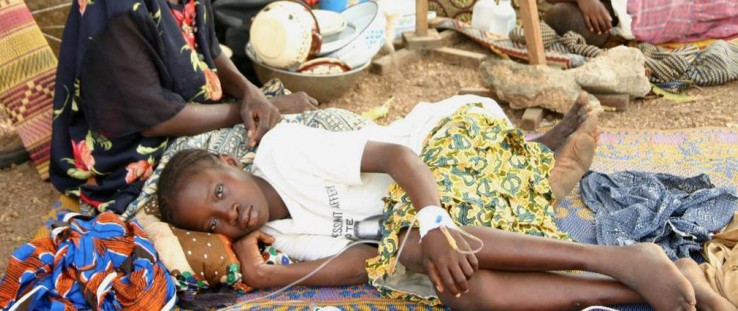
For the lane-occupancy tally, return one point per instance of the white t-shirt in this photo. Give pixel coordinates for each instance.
(317, 173)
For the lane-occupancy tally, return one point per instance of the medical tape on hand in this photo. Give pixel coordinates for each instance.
(432, 217)
(436, 217)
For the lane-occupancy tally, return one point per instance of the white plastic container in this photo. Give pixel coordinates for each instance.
(491, 16)
(503, 19)
(483, 13)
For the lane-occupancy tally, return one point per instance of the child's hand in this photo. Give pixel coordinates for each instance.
(446, 267)
(248, 254)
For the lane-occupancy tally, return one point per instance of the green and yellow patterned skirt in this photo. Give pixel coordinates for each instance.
(487, 175)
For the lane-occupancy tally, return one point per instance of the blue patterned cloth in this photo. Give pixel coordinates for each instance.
(678, 214)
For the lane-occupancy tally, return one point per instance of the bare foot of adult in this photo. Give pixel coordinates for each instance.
(647, 270)
(554, 138)
(574, 158)
(707, 298)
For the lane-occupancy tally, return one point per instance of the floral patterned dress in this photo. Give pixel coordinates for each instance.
(487, 175)
(125, 66)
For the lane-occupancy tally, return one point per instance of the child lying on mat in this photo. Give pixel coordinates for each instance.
(477, 180)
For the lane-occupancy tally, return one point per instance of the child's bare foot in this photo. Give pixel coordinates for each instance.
(578, 113)
(647, 270)
(574, 158)
(707, 298)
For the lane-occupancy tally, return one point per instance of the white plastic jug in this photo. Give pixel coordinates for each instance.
(503, 19)
(482, 14)
(491, 16)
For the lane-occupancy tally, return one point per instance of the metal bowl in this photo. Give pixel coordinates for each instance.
(324, 87)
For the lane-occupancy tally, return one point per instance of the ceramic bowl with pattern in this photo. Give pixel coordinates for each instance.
(330, 23)
(323, 66)
(285, 34)
(335, 42)
(369, 23)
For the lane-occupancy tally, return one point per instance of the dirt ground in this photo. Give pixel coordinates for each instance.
(432, 80)
(27, 199)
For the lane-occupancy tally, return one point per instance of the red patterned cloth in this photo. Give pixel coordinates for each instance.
(660, 21)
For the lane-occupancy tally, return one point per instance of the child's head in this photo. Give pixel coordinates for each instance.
(201, 191)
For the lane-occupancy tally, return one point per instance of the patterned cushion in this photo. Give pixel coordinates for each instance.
(197, 260)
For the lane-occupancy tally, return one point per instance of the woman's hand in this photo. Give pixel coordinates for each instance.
(295, 103)
(259, 115)
(596, 16)
(446, 267)
(253, 266)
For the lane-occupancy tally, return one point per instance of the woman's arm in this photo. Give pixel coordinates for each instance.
(258, 113)
(233, 82)
(237, 86)
(195, 119)
(346, 269)
(447, 268)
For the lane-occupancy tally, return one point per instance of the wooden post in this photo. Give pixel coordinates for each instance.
(421, 18)
(533, 37)
(459, 57)
(532, 119)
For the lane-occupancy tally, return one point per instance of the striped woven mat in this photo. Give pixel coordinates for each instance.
(28, 68)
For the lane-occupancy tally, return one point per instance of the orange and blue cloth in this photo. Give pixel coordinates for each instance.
(100, 263)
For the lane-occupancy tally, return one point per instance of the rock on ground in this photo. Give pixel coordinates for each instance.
(524, 86)
(620, 70)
